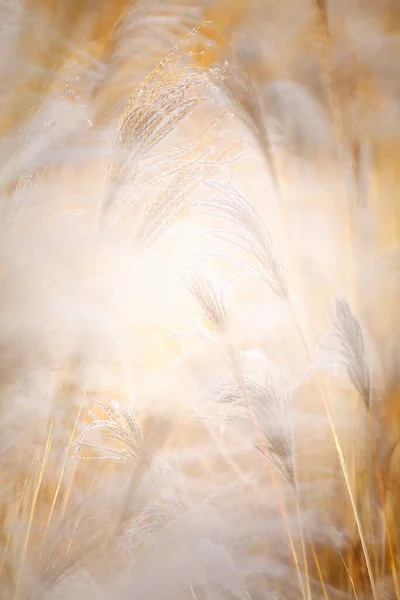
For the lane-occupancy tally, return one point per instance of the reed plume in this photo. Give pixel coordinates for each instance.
(166, 429)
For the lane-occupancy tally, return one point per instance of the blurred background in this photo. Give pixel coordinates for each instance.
(199, 273)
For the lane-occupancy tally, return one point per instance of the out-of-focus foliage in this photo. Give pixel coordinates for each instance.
(199, 260)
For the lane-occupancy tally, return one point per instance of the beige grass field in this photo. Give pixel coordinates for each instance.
(199, 314)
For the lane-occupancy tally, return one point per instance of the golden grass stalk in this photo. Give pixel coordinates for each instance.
(65, 462)
(350, 335)
(342, 461)
(237, 212)
(214, 309)
(42, 469)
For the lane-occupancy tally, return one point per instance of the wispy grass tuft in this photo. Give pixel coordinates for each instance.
(252, 236)
(120, 426)
(349, 333)
(272, 415)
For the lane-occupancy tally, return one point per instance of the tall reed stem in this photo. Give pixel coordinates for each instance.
(33, 508)
(303, 546)
(383, 501)
(64, 466)
(341, 459)
(242, 387)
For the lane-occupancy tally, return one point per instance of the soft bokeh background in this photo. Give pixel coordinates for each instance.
(113, 168)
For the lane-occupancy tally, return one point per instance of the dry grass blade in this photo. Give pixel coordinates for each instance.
(272, 415)
(32, 511)
(253, 237)
(120, 426)
(210, 301)
(349, 333)
(345, 312)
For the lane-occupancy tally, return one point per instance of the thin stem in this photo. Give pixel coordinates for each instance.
(68, 489)
(33, 507)
(341, 460)
(281, 506)
(350, 577)
(193, 593)
(303, 546)
(64, 466)
(10, 535)
(382, 494)
(318, 566)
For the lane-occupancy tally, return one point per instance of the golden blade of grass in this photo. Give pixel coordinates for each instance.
(360, 377)
(337, 446)
(351, 222)
(341, 459)
(385, 516)
(19, 504)
(64, 466)
(322, 392)
(214, 308)
(260, 440)
(68, 490)
(71, 539)
(335, 437)
(350, 576)
(319, 571)
(33, 507)
(303, 546)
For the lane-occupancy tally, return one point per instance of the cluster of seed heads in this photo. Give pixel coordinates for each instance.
(121, 427)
